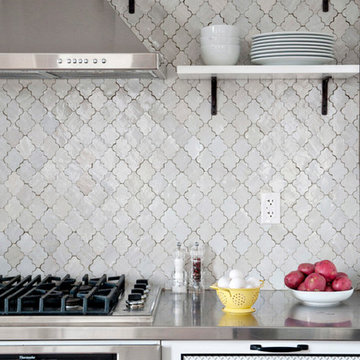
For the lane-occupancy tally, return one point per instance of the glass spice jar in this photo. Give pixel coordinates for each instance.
(196, 267)
(179, 276)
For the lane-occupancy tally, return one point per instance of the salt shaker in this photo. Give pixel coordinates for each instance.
(196, 267)
(179, 278)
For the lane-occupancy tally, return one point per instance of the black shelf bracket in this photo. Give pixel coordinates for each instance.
(132, 6)
(324, 104)
(325, 5)
(213, 95)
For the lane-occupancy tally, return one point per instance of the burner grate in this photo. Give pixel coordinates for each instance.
(60, 296)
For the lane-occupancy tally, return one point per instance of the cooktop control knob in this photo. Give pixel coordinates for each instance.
(142, 281)
(135, 301)
(137, 291)
(140, 286)
(138, 295)
(140, 292)
(134, 297)
(143, 287)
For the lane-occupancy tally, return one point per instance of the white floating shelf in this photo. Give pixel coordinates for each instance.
(267, 71)
(321, 72)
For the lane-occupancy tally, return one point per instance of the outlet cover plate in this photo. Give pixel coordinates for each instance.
(270, 208)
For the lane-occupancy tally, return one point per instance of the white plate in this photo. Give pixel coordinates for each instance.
(292, 40)
(292, 51)
(280, 45)
(294, 43)
(304, 54)
(293, 33)
(293, 60)
(322, 298)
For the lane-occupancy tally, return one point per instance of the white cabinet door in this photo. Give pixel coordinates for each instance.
(266, 357)
(240, 350)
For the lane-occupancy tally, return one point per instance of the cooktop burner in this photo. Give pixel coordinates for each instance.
(60, 296)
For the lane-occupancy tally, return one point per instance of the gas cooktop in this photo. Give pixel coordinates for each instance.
(68, 296)
(58, 296)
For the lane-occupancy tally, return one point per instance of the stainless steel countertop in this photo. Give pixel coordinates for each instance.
(278, 316)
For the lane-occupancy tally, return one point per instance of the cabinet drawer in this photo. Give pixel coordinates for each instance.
(260, 350)
(267, 357)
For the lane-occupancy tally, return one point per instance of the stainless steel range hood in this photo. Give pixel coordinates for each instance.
(70, 39)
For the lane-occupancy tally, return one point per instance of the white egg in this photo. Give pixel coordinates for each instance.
(237, 283)
(236, 274)
(223, 282)
(253, 282)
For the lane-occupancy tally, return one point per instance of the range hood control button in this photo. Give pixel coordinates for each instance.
(74, 61)
(59, 61)
(103, 61)
(95, 61)
(85, 61)
(80, 61)
(69, 61)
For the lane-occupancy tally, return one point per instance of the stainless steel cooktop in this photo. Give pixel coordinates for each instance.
(58, 300)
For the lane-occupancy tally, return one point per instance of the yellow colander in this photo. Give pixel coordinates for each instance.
(238, 301)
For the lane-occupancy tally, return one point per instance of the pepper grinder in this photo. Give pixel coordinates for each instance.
(179, 278)
(196, 267)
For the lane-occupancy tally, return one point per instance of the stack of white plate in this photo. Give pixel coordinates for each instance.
(292, 48)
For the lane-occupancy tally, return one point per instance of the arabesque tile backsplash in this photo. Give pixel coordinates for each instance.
(106, 175)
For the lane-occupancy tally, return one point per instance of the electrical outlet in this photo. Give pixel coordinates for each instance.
(270, 208)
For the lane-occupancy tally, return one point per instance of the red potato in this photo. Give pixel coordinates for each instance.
(341, 283)
(341, 274)
(328, 288)
(302, 287)
(294, 279)
(327, 269)
(315, 282)
(306, 268)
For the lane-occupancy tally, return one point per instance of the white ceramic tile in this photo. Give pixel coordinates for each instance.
(106, 175)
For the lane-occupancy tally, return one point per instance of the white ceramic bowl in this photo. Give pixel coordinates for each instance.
(220, 30)
(220, 54)
(322, 298)
(220, 40)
